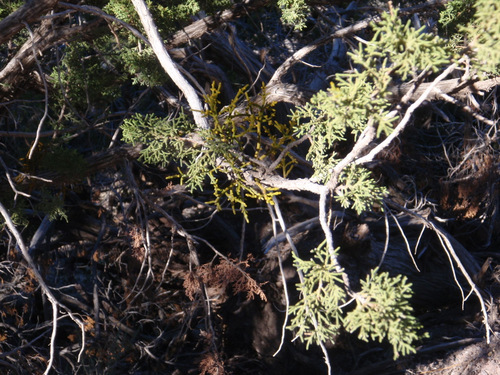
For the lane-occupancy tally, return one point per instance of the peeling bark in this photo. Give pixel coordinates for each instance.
(456, 87)
(29, 12)
(45, 36)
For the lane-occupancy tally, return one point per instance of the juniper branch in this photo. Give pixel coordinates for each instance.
(404, 121)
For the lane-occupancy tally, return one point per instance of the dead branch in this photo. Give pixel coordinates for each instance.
(406, 118)
(279, 217)
(199, 28)
(96, 11)
(168, 64)
(286, 93)
(304, 51)
(276, 243)
(231, 49)
(29, 12)
(462, 258)
(45, 90)
(292, 231)
(456, 87)
(45, 288)
(44, 37)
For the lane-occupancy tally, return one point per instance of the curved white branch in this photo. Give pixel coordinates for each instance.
(168, 64)
(406, 118)
(43, 285)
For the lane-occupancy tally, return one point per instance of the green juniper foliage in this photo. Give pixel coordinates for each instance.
(83, 76)
(138, 60)
(358, 190)
(382, 308)
(18, 216)
(399, 49)
(245, 138)
(317, 316)
(168, 14)
(383, 311)
(484, 33)
(475, 25)
(8, 6)
(294, 13)
(163, 138)
(356, 100)
(143, 66)
(248, 138)
(360, 98)
(52, 204)
(455, 13)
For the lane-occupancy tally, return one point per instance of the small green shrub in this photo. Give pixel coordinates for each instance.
(382, 309)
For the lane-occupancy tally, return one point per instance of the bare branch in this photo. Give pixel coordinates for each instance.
(45, 36)
(29, 12)
(304, 51)
(467, 108)
(46, 93)
(200, 27)
(96, 11)
(459, 254)
(457, 87)
(45, 288)
(281, 221)
(168, 64)
(276, 243)
(406, 118)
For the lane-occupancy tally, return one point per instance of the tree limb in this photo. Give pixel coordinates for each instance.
(43, 285)
(44, 37)
(168, 64)
(29, 12)
(456, 87)
(406, 118)
(200, 27)
(304, 51)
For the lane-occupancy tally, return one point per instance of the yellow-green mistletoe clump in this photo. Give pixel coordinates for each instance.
(242, 138)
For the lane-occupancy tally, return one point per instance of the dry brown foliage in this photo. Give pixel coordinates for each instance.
(220, 276)
(211, 364)
(191, 285)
